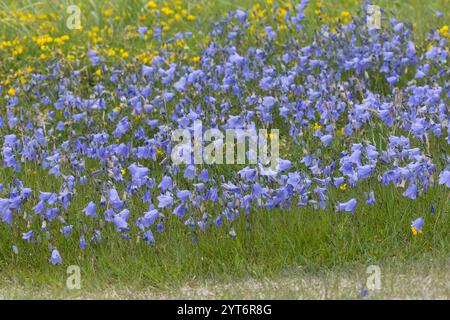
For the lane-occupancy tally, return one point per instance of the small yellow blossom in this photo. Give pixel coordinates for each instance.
(152, 5)
(346, 17)
(191, 17)
(107, 12)
(444, 31)
(167, 11)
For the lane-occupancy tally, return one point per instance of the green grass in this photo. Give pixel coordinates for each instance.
(269, 245)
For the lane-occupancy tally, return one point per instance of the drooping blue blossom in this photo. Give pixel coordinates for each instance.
(91, 210)
(55, 257)
(348, 206)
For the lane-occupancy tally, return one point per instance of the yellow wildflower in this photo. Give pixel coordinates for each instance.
(444, 31)
(346, 17)
(167, 11)
(415, 232)
(190, 17)
(107, 12)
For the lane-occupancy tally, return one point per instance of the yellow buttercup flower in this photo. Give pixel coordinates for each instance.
(12, 92)
(191, 17)
(346, 17)
(282, 12)
(167, 11)
(107, 13)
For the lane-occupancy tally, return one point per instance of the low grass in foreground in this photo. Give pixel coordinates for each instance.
(267, 245)
(426, 277)
(296, 253)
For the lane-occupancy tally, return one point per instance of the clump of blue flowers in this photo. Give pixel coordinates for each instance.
(114, 135)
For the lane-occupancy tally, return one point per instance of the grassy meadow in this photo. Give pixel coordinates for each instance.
(296, 252)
